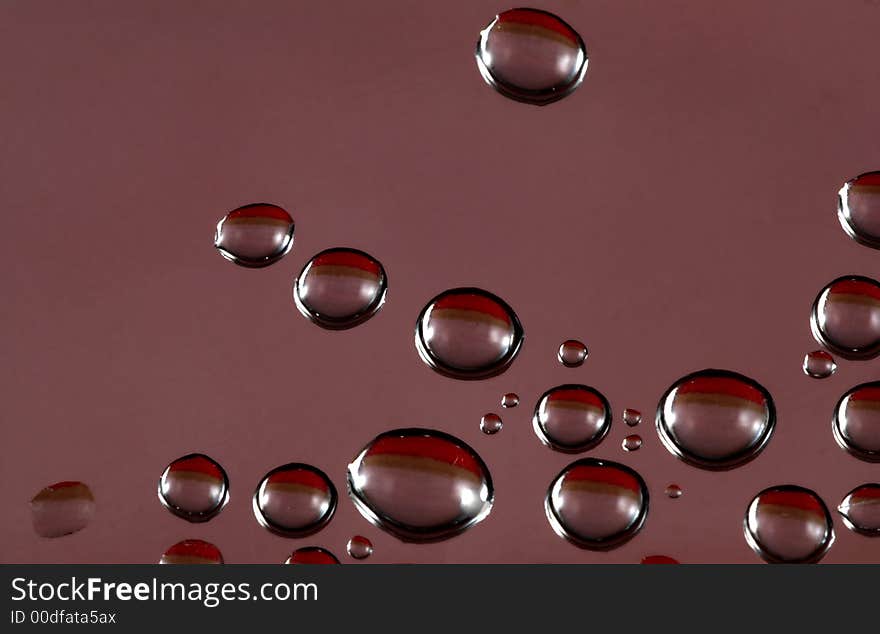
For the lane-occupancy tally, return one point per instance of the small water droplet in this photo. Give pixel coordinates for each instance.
(340, 288)
(819, 364)
(659, 559)
(572, 418)
(856, 424)
(846, 317)
(312, 555)
(715, 419)
(673, 491)
(632, 417)
(597, 504)
(860, 510)
(572, 353)
(491, 424)
(420, 484)
(194, 487)
(509, 400)
(859, 209)
(359, 547)
(62, 509)
(633, 442)
(255, 235)
(788, 524)
(531, 56)
(468, 333)
(192, 551)
(294, 500)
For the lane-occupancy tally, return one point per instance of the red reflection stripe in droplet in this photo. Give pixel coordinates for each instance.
(312, 556)
(304, 477)
(855, 287)
(197, 464)
(603, 475)
(866, 394)
(585, 397)
(793, 499)
(871, 179)
(659, 559)
(540, 19)
(437, 449)
(475, 303)
(726, 386)
(260, 211)
(347, 259)
(195, 548)
(866, 493)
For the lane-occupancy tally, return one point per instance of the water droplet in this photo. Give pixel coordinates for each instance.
(572, 353)
(572, 418)
(846, 317)
(312, 555)
(673, 491)
(194, 487)
(860, 510)
(420, 484)
(468, 333)
(715, 419)
(632, 417)
(192, 551)
(62, 508)
(859, 209)
(340, 288)
(491, 424)
(531, 56)
(359, 547)
(255, 235)
(819, 364)
(659, 559)
(509, 400)
(633, 442)
(856, 424)
(788, 524)
(597, 504)
(294, 500)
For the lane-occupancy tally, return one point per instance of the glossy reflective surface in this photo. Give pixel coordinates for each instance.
(859, 209)
(194, 487)
(294, 500)
(255, 235)
(819, 364)
(788, 524)
(62, 508)
(312, 555)
(860, 510)
(572, 418)
(856, 421)
(192, 551)
(846, 317)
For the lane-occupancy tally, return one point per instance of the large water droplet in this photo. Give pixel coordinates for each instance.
(491, 424)
(788, 524)
(856, 423)
(673, 491)
(420, 484)
(312, 555)
(509, 400)
(633, 442)
(359, 547)
(255, 235)
(659, 559)
(860, 510)
(715, 419)
(531, 56)
(194, 487)
(846, 317)
(632, 417)
(859, 209)
(572, 418)
(597, 504)
(192, 551)
(819, 364)
(294, 500)
(62, 508)
(468, 333)
(340, 288)
(572, 353)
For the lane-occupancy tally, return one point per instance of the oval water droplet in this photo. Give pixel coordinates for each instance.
(597, 504)
(491, 424)
(788, 524)
(572, 353)
(819, 364)
(673, 491)
(659, 559)
(312, 555)
(858, 209)
(62, 508)
(632, 417)
(856, 423)
(531, 56)
(420, 484)
(255, 235)
(340, 288)
(359, 547)
(468, 333)
(846, 317)
(860, 510)
(294, 500)
(194, 487)
(715, 419)
(572, 418)
(633, 442)
(192, 551)
(509, 400)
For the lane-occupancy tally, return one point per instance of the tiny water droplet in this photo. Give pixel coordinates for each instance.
(62, 508)
(597, 504)
(468, 333)
(294, 500)
(359, 547)
(572, 353)
(819, 364)
(194, 487)
(846, 317)
(420, 484)
(632, 417)
(856, 424)
(860, 510)
(788, 524)
(659, 559)
(572, 418)
(715, 419)
(633, 442)
(531, 56)
(509, 400)
(192, 551)
(255, 235)
(673, 491)
(859, 209)
(340, 288)
(312, 555)
(491, 424)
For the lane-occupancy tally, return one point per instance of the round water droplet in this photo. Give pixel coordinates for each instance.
(572, 418)
(194, 487)
(340, 288)
(62, 508)
(788, 524)
(509, 400)
(491, 424)
(715, 419)
(846, 317)
(359, 547)
(633, 442)
(420, 484)
(819, 364)
(192, 551)
(597, 504)
(632, 417)
(312, 555)
(859, 209)
(294, 500)
(467, 333)
(255, 235)
(572, 353)
(856, 423)
(531, 56)
(659, 559)
(860, 510)
(673, 491)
